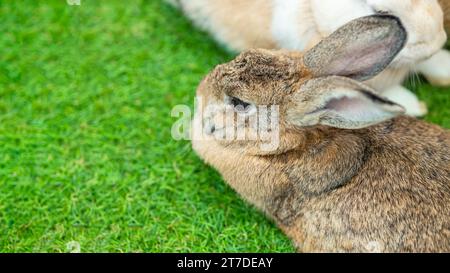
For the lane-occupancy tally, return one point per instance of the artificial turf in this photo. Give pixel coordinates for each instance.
(86, 153)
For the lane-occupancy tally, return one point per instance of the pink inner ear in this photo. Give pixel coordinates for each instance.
(354, 108)
(359, 60)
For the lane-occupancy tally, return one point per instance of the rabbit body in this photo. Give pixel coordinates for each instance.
(383, 189)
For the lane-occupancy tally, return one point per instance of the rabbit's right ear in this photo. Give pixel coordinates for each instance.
(359, 50)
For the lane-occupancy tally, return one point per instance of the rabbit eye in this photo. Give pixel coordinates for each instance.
(239, 105)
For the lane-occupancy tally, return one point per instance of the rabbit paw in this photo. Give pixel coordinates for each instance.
(407, 99)
(437, 68)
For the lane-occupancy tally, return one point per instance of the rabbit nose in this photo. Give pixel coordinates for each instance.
(210, 128)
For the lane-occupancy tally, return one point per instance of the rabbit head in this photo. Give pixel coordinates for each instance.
(422, 20)
(261, 88)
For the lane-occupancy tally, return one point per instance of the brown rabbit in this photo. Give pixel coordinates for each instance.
(349, 172)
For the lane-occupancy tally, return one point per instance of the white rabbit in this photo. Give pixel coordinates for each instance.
(301, 24)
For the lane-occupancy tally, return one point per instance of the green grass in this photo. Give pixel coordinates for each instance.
(86, 153)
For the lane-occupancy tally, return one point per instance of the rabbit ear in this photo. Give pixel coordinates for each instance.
(340, 103)
(359, 50)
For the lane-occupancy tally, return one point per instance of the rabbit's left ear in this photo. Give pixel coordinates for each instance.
(359, 50)
(341, 103)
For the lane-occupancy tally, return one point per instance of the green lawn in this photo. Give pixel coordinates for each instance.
(86, 153)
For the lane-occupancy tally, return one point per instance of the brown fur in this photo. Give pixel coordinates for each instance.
(384, 188)
(445, 4)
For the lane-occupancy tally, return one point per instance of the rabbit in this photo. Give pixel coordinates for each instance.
(350, 172)
(301, 24)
